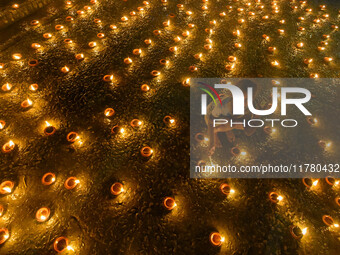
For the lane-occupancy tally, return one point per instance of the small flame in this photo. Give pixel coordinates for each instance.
(122, 130)
(70, 248)
(172, 121)
(11, 143)
(279, 198)
(77, 181)
(315, 182)
(47, 124)
(7, 189)
(304, 231)
(232, 191)
(222, 239)
(29, 102)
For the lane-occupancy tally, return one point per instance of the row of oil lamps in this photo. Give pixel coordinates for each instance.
(61, 243)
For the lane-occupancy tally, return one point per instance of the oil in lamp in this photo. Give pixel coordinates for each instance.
(47, 35)
(92, 44)
(48, 179)
(6, 87)
(216, 239)
(169, 203)
(16, 56)
(157, 32)
(4, 235)
(301, 29)
(33, 87)
(2, 124)
(6, 187)
(128, 61)
(61, 245)
(274, 197)
(297, 232)
(325, 36)
(72, 137)
(109, 112)
(321, 48)
(79, 56)
(226, 190)
(65, 69)
(117, 188)
(334, 27)
(42, 214)
(168, 120)
(188, 13)
(49, 129)
(145, 87)
(71, 183)
(146, 151)
(136, 123)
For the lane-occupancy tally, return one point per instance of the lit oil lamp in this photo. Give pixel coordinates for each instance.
(323, 144)
(6, 187)
(186, 82)
(128, 61)
(2, 66)
(334, 27)
(68, 41)
(4, 235)
(48, 179)
(59, 27)
(157, 32)
(108, 78)
(223, 14)
(33, 87)
(42, 214)
(312, 121)
(325, 36)
(238, 45)
(300, 45)
(208, 46)
(198, 55)
(307, 61)
(61, 244)
(321, 48)
(47, 35)
(113, 27)
(266, 37)
(145, 88)
(275, 63)
(92, 44)
(116, 129)
(65, 69)
(16, 56)
(163, 62)
(72, 137)
(328, 59)
(308, 182)
(137, 52)
(15, 6)
(6, 87)
(117, 188)
(71, 183)
(169, 203)
(97, 21)
(301, 29)
(35, 22)
(269, 130)
(2, 210)
(282, 21)
(8, 147)
(146, 151)
(275, 198)
(190, 25)
(35, 46)
(226, 190)
(216, 239)
(337, 201)
(147, 41)
(80, 12)
(155, 73)
(328, 220)
(314, 75)
(33, 62)
(166, 23)
(69, 18)
(271, 49)
(49, 129)
(168, 120)
(232, 58)
(109, 112)
(2, 124)
(124, 19)
(79, 56)
(297, 232)
(193, 68)
(87, 8)
(330, 180)
(136, 123)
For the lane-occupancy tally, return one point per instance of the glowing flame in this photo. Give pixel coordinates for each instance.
(315, 182)
(29, 102)
(11, 143)
(47, 124)
(222, 239)
(232, 191)
(69, 248)
(279, 198)
(7, 189)
(172, 121)
(304, 231)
